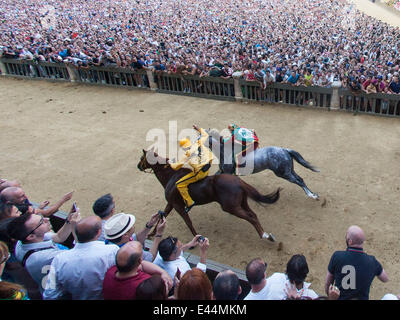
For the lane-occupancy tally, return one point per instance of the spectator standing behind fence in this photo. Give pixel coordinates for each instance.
(394, 86)
(303, 34)
(353, 270)
(121, 280)
(78, 273)
(226, 286)
(38, 245)
(256, 276)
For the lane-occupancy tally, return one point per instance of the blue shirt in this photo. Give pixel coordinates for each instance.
(79, 272)
(292, 79)
(395, 87)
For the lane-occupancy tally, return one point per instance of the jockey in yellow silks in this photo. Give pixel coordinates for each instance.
(199, 157)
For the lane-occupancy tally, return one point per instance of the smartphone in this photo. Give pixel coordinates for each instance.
(74, 207)
(178, 274)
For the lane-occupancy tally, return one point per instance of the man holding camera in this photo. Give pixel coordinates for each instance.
(170, 255)
(120, 229)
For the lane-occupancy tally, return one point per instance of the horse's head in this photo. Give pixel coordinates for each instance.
(150, 159)
(143, 163)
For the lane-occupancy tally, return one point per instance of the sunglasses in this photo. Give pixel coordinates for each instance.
(174, 242)
(40, 223)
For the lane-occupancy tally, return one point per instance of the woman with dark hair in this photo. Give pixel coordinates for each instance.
(292, 281)
(8, 210)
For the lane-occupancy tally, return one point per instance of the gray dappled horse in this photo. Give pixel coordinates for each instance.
(277, 159)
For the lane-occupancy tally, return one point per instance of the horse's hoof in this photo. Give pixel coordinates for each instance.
(269, 236)
(314, 196)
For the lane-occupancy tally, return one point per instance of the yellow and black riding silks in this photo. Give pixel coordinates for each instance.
(199, 157)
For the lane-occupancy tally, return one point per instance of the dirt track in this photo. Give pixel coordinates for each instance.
(378, 10)
(58, 137)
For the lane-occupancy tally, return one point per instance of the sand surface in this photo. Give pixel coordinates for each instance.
(378, 10)
(57, 137)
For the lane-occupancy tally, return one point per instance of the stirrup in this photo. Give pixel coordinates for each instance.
(187, 209)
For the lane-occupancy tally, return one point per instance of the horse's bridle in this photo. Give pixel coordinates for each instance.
(141, 165)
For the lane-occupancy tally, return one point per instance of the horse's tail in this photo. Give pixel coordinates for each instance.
(297, 156)
(258, 197)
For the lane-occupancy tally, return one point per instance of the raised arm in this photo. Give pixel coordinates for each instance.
(46, 212)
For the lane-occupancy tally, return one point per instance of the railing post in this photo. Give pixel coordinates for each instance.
(335, 103)
(73, 74)
(3, 68)
(238, 90)
(150, 76)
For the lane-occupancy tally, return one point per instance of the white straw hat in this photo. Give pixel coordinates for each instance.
(118, 225)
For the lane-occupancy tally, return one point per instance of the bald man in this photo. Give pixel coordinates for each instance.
(121, 280)
(256, 274)
(353, 270)
(79, 273)
(8, 183)
(226, 286)
(14, 194)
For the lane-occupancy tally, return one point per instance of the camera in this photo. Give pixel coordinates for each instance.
(161, 214)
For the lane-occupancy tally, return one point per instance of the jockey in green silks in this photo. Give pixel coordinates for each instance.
(248, 140)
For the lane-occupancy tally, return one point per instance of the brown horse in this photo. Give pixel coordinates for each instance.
(229, 191)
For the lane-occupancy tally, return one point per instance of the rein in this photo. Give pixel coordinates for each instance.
(151, 170)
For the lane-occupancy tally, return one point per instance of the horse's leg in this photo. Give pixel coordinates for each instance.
(186, 218)
(251, 217)
(252, 214)
(295, 178)
(167, 210)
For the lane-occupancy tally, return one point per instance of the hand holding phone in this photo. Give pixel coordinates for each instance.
(74, 207)
(178, 274)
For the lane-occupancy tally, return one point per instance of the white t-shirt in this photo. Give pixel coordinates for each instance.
(260, 295)
(172, 266)
(277, 285)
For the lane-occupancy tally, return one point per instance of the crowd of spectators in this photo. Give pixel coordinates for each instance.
(108, 260)
(297, 42)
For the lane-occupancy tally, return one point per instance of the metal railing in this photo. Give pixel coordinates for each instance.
(57, 220)
(205, 87)
(39, 69)
(372, 103)
(286, 93)
(112, 76)
(208, 87)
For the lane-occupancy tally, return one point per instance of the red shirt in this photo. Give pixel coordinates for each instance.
(122, 289)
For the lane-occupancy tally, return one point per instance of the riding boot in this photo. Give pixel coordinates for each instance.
(187, 208)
